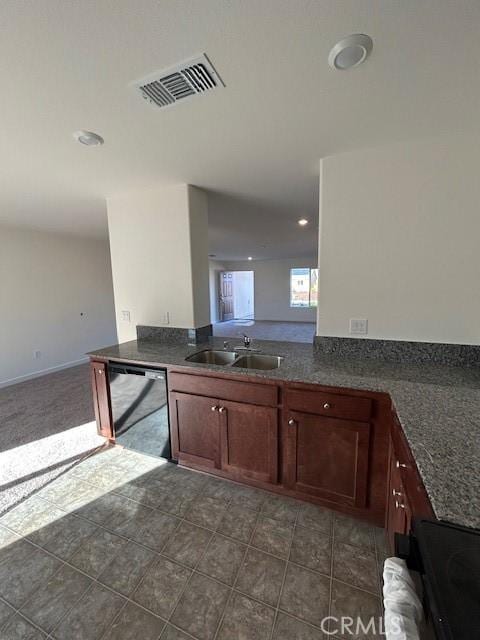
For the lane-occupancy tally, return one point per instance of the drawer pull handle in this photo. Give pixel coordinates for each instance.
(222, 409)
(215, 408)
(326, 405)
(291, 422)
(396, 493)
(401, 465)
(399, 505)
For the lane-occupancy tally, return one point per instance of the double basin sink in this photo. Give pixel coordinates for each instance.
(234, 359)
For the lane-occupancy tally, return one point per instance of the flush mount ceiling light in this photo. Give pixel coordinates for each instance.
(250, 258)
(350, 52)
(302, 222)
(88, 138)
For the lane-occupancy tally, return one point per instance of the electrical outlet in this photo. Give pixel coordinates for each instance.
(37, 354)
(166, 318)
(359, 326)
(125, 316)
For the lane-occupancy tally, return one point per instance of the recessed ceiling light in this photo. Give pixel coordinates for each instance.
(250, 258)
(88, 138)
(302, 222)
(350, 52)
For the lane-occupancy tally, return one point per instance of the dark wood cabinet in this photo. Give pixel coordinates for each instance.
(195, 430)
(328, 457)
(101, 398)
(407, 497)
(399, 514)
(249, 437)
(339, 448)
(238, 438)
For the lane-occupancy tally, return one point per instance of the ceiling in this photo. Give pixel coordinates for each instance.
(255, 145)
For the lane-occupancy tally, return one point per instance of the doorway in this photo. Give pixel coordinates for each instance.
(236, 295)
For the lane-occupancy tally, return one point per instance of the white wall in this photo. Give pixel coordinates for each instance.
(243, 294)
(46, 281)
(159, 247)
(198, 237)
(272, 288)
(400, 241)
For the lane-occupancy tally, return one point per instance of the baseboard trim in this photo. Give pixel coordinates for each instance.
(37, 374)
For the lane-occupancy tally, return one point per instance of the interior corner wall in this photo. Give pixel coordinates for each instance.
(272, 288)
(399, 241)
(56, 298)
(153, 236)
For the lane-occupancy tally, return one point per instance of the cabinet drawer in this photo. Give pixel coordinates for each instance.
(406, 468)
(330, 404)
(222, 389)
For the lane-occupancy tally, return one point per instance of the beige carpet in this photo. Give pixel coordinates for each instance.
(46, 426)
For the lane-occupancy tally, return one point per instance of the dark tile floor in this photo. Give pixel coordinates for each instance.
(125, 547)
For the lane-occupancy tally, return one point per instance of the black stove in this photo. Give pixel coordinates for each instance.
(448, 557)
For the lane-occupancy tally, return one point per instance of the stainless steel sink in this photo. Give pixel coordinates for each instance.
(211, 356)
(255, 361)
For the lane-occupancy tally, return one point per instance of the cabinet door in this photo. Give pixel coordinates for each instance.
(249, 436)
(195, 426)
(328, 457)
(101, 398)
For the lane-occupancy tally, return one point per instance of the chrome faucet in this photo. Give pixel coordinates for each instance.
(246, 344)
(226, 344)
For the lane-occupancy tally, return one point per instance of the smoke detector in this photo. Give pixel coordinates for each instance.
(184, 80)
(350, 52)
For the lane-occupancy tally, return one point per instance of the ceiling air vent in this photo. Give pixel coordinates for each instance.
(185, 80)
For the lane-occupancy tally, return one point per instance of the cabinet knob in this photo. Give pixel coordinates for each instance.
(99, 371)
(222, 409)
(396, 493)
(326, 405)
(215, 408)
(399, 505)
(401, 465)
(291, 422)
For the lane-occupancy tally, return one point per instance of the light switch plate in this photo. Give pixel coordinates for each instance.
(359, 326)
(125, 316)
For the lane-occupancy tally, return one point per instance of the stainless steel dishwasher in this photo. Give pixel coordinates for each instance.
(140, 409)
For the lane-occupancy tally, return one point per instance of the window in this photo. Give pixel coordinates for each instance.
(303, 287)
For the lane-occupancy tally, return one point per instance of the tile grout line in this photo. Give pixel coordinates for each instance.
(294, 528)
(202, 555)
(176, 561)
(95, 581)
(232, 591)
(124, 606)
(34, 593)
(160, 553)
(67, 613)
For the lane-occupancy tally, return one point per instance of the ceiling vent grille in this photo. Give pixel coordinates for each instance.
(164, 88)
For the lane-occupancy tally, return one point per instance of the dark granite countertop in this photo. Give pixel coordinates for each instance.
(438, 407)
